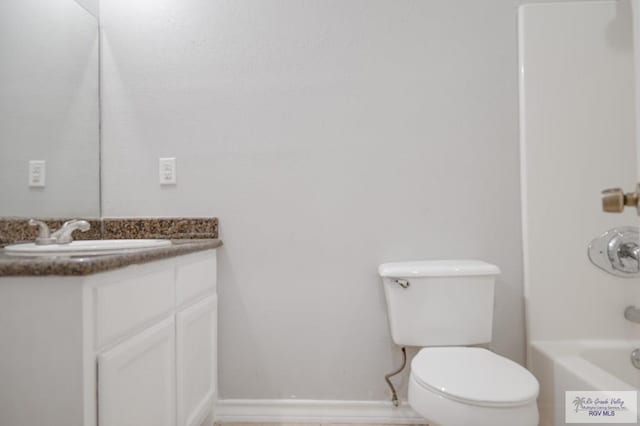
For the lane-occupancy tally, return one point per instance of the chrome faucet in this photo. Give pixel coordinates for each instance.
(630, 250)
(44, 234)
(617, 252)
(635, 358)
(62, 235)
(631, 313)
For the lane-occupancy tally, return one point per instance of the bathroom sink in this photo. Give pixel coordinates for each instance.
(88, 247)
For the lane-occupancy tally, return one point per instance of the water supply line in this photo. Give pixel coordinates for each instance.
(394, 394)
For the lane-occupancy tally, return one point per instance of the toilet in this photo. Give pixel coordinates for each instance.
(444, 307)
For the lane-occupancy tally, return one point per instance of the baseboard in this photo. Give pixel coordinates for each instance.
(313, 411)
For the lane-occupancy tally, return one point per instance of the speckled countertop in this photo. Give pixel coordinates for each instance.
(86, 265)
(187, 235)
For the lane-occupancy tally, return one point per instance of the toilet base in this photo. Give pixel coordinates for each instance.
(439, 410)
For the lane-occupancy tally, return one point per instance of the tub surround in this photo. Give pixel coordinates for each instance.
(572, 306)
(552, 55)
(188, 235)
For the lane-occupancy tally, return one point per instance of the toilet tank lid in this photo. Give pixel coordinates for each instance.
(437, 268)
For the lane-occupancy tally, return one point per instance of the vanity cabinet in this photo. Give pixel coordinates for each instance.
(136, 379)
(130, 347)
(196, 358)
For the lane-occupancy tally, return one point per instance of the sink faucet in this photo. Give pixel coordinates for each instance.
(44, 235)
(62, 235)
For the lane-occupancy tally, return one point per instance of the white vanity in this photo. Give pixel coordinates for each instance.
(134, 346)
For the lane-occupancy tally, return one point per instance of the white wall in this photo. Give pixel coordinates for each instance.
(635, 9)
(578, 139)
(49, 107)
(91, 6)
(328, 136)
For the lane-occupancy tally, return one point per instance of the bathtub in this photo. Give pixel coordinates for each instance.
(580, 365)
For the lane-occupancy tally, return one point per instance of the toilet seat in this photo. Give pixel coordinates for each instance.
(474, 376)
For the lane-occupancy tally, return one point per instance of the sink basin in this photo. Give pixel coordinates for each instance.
(89, 247)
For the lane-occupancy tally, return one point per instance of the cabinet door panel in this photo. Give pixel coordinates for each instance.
(196, 361)
(195, 278)
(136, 379)
(130, 301)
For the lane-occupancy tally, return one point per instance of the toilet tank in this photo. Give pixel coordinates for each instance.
(439, 302)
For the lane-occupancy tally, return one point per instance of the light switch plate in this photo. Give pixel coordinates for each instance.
(167, 171)
(37, 173)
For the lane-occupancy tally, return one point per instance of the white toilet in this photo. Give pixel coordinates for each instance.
(444, 306)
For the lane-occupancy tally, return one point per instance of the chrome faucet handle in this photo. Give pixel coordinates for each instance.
(626, 257)
(44, 235)
(617, 252)
(64, 234)
(629, 250)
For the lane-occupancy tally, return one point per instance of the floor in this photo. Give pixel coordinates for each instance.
(307, 424)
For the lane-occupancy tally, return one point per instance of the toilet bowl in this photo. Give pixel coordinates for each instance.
(445, 307)
(460, 386)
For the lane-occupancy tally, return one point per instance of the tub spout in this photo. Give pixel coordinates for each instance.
(635, 358)
(631, 313)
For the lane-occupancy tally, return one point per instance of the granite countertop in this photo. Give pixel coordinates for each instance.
(86, 265)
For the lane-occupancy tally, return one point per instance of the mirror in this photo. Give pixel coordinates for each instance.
(49, 108)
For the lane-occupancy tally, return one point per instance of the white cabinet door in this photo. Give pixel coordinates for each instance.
(136, 379)
(196, 361)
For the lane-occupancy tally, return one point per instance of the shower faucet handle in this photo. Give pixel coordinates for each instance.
(617, 252)
(614, 200)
